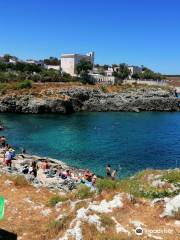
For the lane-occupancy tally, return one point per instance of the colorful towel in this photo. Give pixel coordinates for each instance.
(1, 207)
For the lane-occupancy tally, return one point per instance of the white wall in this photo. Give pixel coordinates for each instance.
(97, 78)
(68, 66)
(53, 67)
(148, 82)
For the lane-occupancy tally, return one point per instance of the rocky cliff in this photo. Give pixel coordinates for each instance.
(75, 99)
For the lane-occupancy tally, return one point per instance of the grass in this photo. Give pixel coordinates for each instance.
(24, 84)
(20, 181)
(61, 224)
(140, 187)
(90, 232)
(58, 227)
(104, 89)
(83, 192)
(106, 185)
(172, 176)
(133, 87)
(3, 88)
(56, 199)
(106, 221)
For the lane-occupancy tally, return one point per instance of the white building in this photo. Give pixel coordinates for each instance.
(70, 61)
(12, 60)
(133, 70)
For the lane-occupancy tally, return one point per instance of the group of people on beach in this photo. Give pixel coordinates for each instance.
(86, 178)
(50, 170)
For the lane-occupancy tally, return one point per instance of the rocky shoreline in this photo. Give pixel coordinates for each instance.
(81, 98)
(42, 179)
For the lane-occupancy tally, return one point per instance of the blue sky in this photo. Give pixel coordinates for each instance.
(133, 31)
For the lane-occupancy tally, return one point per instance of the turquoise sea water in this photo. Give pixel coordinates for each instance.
(129, 141)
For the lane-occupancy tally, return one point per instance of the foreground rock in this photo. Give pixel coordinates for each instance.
(75, 99)
(112, 214)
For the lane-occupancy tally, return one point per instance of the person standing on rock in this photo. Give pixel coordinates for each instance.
(175, 92)
(33, 169)
(3, 141)
(8, 158)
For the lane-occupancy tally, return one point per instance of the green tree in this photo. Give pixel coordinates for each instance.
(52, 61)
(83, 68)
(105, 67)
(7, 57)
(137, 76)
(122, 71)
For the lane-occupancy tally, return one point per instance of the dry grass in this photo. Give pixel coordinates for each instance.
(23, 207)
(90, 233)
(24, 204)
(57, 228)
(41, 89)
(19, 181)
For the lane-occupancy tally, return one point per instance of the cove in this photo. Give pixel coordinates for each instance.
(130, 142)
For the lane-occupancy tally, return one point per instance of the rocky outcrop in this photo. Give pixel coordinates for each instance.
(77, 99)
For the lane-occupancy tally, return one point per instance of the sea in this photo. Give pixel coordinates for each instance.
(129, 142)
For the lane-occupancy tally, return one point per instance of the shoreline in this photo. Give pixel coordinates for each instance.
(44, 178)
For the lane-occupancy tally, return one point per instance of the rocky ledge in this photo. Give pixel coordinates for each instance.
(76, 99)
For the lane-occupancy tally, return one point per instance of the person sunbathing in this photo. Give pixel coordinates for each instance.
(66, 174)
(45, 166)
(59, 171)
(88, 175)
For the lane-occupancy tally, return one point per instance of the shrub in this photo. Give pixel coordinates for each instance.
(156, 194)
(104, 89)
(106, 220)
(59, 225)
(83, 192)
(106, 185)
(20, 181)
(139, 188)
(172, 176)
(55, 199)
(24, 84)
(3, 87)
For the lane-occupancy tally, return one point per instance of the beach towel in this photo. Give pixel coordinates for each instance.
(1, 207)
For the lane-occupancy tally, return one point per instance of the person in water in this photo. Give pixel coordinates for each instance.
(114, 174)
(108, 170)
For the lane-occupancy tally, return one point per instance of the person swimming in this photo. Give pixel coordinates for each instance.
(114, 174)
